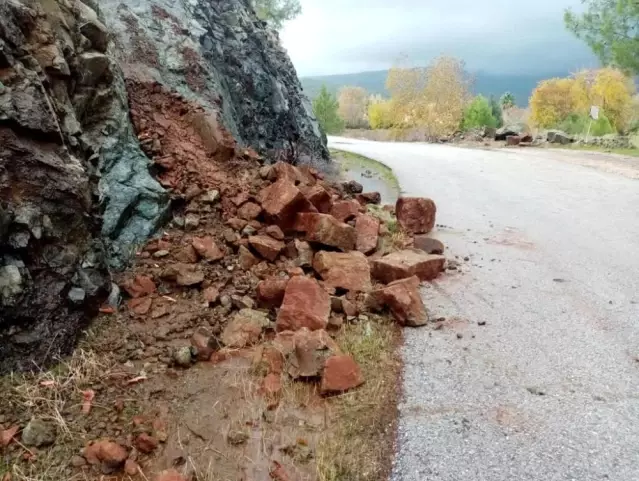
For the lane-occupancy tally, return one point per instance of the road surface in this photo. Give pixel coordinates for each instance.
(548, 388)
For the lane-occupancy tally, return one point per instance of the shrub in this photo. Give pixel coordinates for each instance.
(576, 124)
(379, 115)
(478, 114)
(325, 107)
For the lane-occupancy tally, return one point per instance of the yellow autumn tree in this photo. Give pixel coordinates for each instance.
(433, 98)
(552, 101)
(607, 88)
(353, 106)
(612, 90)
(379, 114)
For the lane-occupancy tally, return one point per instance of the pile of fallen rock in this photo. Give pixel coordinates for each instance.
(277, 264)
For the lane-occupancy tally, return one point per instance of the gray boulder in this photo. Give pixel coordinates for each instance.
(558, 137)
(516, 129)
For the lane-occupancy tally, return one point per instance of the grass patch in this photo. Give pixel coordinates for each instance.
(597, 148)
(349, 161)
(358, 446)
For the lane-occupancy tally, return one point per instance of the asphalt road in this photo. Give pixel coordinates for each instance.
(548, 388)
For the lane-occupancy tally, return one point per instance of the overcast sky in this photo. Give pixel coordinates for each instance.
(500, 36)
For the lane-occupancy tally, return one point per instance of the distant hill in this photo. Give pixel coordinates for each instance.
(521, 86)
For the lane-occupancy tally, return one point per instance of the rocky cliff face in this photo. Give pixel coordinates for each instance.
(221, 55)
(76, 192)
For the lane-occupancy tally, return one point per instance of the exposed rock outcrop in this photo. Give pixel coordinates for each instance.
(221, 55)
(74, 186)
(77, 192)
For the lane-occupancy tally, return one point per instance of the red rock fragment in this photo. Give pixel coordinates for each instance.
(140, 286)
(345, 270)
(305, 304)
(407, 263)
(327, 230)
(270, 292)
(416, 214)
(341, 373)
(344, 210)
(207, 248)
(367, 229)
(404, 301)
(266, 246)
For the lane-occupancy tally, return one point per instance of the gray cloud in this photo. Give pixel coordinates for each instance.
(499, 36)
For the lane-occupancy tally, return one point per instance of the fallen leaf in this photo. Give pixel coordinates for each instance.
(7, 435)
(107, 310)
(87, 399)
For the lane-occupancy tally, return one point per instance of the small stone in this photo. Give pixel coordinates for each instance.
(39, 433)
(170, 475)
(246, 259)
(76, 295)
(248, 231)
(353, 187)
(145, 444)
(140, 286)
(210, 295)
(201, 342)
(207, 248)
(536, 391)
(77, 461)
(131, 467)
(481, 323)
(188, 275)
(267, 247)
(236, 438)
(460, 335)
(249, 211)
(160, 254)
(275, 232)
(210, 197)
(405, 264)
(182, 356)
(191, 222)
(428, 244)
(270, 292)
(111, 455)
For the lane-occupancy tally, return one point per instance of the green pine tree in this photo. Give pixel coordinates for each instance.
(478, 114)
(325, 107)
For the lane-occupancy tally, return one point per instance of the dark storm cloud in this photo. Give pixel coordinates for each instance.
(500, 36)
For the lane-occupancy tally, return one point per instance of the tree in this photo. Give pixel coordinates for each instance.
(276, 12)
(433, 98)
(609, 27)
(507, 100)
(497, 112)
(326, 108)
(379, 114)
(552, 101)
(353, 105)
(478, 114)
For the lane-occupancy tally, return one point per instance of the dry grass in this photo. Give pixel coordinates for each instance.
(358, 444)
(55, 396)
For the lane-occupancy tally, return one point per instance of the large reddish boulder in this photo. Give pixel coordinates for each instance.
(327, 230)
(319, 197)
(341, 373)
(267, 247)
(270, 292)
(283, 170)
(367, 229)
(345, 270)
(416, 214)
(305, 304)
(403, 300)
(344, 210)
(207, 248)
(407, 263)
(282, 201)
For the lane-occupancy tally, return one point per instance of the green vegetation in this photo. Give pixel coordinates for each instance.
(479, 114)
(598, 148)
(609, 27)
(349, 161)
(326, 108)
(507, 100)
(276, 12)
(497, 111)
(576, 124)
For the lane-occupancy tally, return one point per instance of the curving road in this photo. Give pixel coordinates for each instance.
(548, 388)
